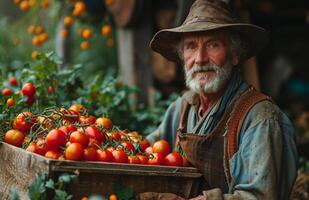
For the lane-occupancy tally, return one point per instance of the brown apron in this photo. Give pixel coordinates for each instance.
(211, 153)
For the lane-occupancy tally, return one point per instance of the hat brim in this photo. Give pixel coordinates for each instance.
(165, 42)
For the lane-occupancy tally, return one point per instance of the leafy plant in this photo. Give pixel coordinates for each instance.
(38, 188)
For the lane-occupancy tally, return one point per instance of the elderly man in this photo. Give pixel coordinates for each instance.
(241, 142)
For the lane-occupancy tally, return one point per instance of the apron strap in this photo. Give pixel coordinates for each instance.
(233, 126)
(182, 125)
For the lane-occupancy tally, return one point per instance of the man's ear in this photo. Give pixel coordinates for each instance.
(235, 59)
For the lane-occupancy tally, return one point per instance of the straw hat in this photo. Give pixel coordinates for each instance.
(207, 15)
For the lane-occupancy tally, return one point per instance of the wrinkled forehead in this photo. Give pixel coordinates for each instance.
(223, 35)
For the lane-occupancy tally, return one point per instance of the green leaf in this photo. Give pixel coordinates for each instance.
(62, 195)
(67, 178)
(14, 194)
(37, 190)
(97, 197)
(50, 184)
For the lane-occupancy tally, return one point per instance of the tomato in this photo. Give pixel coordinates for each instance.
(51, 154)
(80, 109)
(113, 197)
(126, 146)
(156, 159)
(94, 143)
(173, 159)
(28, 89)
(10, 102)
(104, 122)
(31, 147)
(94, 132)
(70, 115)
(116, 136)
(104, 155)
(68, 129)
(24, 121)
(78, 137)
(55, 139)
(50, 90)
(87, 120)
(134, 160)
(143, 145)
(13, 81)
(74, 151)
(90, 154)
(143, 159)
(30, 100)
(111, 148)
(161, 146)
(6, 92)
(40, 147)
(14, 137)
(120, 156)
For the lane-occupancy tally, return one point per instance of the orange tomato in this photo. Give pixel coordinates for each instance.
(104, 122)
(161, 146)
(14, 137)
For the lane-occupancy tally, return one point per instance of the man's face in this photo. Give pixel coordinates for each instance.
(208, 61)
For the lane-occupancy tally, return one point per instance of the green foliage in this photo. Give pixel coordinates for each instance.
(41, 184)
(123, 192)
(103, 95)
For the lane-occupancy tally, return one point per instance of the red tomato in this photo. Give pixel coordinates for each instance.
(74, 151)
(51, 154)
(14, 137)
(104, 155)
(70, 115)
(104, 122)
(156, 159)
(55, 139)
(24, 121)
(87, 120)
(143, 159)
(116, 136)
(90, 154)
(161, 146)
(126, 146)
(28, 89)
(94, 132)
(173, 159)
(31, 147)
(68, 129)
(134, 160)
(143, 145)
(40, 147)
(120, 156)
(13, 81)
(6, 92)
(80, 138)
(30, 100)
(94, 143)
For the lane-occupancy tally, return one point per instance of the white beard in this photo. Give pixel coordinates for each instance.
(222, 75)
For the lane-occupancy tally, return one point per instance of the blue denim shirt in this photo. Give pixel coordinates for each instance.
(265, 165)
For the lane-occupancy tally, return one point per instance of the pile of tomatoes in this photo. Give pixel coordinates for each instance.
(73, 134)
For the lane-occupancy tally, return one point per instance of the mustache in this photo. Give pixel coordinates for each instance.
(202, 68)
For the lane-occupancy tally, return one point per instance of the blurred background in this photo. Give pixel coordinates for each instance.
(111, 38)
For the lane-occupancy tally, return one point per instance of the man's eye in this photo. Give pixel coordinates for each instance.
(213, 45)
(189, 46)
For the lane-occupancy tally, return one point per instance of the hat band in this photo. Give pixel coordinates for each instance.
(209, 19)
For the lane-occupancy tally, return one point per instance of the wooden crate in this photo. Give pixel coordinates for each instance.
(18, 168)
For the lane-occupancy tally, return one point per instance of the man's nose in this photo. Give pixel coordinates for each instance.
(201, 56)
